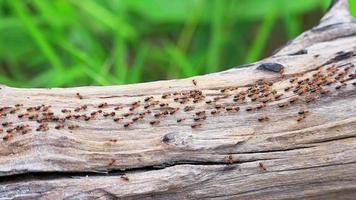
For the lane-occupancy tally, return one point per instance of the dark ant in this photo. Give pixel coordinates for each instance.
(124, 178)
(127, 114)
(111, 162)
(300, 118)
(118, 119)
(281, 105)
(278, 96)
(214, 112)
(136, 103)
(163, 104)
(218, 107)
(7, 137)
(262, 166)
(194, 82)
(148, 98)
(180, 120)
(65, 111)
(287, 88)
(164, 96)
(6, 124)
(200, 113)
(228, 109)
(208, 102)
(126, 125)
(198, 119)
(118, 107)
(154, 122)
(260, 106)
(196, 125)
(230, 160)
(292, 100)
(72, 127)
(79, 96)
(59, 126)
(261, 119)
(188, 108)
(292, 80)
(248, 109)
(103, 105)
(302, 112)
(113, 140)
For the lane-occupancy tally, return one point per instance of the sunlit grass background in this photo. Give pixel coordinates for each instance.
(62, 43)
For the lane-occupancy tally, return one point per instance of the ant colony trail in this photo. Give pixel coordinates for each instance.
(191, 107)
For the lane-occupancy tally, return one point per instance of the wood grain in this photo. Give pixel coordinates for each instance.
(265, 153)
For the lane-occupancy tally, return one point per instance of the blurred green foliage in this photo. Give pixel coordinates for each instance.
(61, 43)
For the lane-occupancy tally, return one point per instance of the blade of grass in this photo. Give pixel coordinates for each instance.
(107, 18)
(136, 70)
(214, 49)
(76, 53)
(120, 63)
(293, 27)
(190, 26)
(264, 31)
(37, 36)
(8, 81)
(180, 60)
(353, 7)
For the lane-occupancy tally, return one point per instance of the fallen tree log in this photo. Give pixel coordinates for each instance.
(281, 128)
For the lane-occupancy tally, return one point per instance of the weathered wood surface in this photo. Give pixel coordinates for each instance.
(231, 156)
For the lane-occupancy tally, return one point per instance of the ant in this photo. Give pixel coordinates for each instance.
(300, 118)
(261, 119)
(281, 105)
(230, 160)
(8, 137)
(6, 124)
(196, 125)
(194, 82)
(124, 178)
(154, 122)
(180, 120)
(126, 125)
(287, 88)
(302, 112)
(248, 109)
(148, 98)
(118, 119)
(111, 162)
(113, 140)
(79, 96)
(72, 127)
(262, 166)
(103, 105)
(118, 107)
(59, 126)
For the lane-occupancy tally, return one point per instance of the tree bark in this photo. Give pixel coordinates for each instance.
(280, 128)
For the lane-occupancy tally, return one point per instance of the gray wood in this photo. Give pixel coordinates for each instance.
(232, 155)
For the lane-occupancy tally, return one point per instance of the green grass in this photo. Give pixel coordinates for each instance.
(103, 42)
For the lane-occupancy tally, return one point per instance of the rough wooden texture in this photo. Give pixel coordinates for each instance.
(235, 154)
